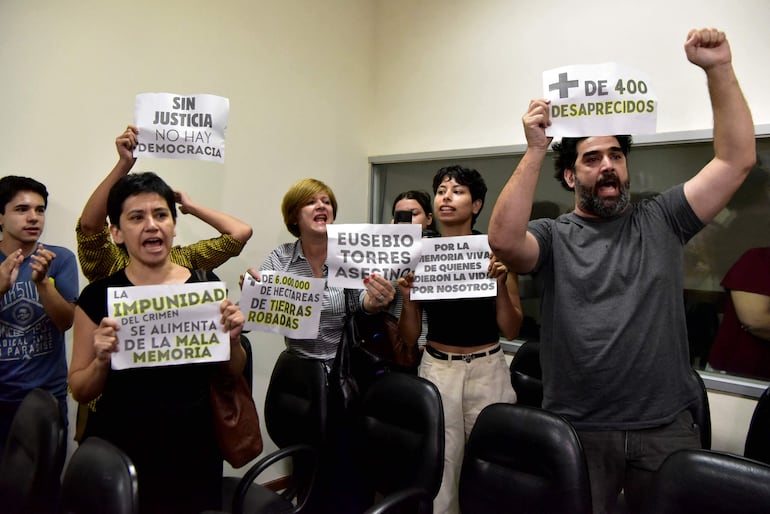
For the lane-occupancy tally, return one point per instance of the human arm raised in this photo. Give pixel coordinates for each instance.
(94, 215)
(734, 145)
(508, 235)
(98, 255)
(223, 223)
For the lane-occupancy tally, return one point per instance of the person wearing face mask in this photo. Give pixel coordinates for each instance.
(614, 349)
(462, 356)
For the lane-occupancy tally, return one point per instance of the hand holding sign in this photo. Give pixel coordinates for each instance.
(106, 339)
(497, 270)
(232, 319)
(125, 144)
(536, 120)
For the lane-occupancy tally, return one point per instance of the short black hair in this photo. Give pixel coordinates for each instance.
(10, 185)
(565, 155)
(134, 184)
(468, 177)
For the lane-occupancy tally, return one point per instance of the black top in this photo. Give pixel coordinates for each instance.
(161, 417)
(463, 322)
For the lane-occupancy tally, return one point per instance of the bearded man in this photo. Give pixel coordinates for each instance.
(614, 339)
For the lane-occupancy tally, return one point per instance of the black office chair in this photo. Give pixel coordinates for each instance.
(758, 438)
(295, 418)
(399, 444)
(526, 375)
(523, 459)
(33, 456)
(99, 478)
(705, 481)
(701, 413)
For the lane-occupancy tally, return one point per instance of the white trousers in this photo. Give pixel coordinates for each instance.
(466, 388)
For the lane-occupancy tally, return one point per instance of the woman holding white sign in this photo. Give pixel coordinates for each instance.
(463, 357)
(308, 207)
(160, 415)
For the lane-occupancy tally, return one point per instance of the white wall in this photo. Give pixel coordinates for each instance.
(460, 73)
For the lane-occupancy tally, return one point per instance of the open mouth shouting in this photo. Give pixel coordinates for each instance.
(153, 244)
(607, 185)
(321, 218)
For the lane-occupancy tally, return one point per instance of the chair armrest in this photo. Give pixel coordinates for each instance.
(293, 451)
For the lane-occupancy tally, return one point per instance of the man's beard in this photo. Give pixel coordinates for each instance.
(589, 201)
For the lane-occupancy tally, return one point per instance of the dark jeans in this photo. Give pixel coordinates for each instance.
(627, 459)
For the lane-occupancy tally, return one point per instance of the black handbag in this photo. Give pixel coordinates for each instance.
(345, 393)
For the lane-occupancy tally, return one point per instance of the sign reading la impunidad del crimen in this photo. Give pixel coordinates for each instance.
(168, 324)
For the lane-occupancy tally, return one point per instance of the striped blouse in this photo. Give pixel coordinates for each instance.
(289, 258)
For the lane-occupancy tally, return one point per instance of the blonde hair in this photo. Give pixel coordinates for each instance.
(298, 196)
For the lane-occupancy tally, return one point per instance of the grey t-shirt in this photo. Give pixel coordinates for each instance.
(614, 339)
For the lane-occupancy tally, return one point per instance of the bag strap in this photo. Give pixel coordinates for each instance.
(348, 301)
(200, 275)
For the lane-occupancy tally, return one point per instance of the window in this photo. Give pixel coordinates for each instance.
(655, 164)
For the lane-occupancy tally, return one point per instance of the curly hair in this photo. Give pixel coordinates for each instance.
(565, 155)
(468, 177)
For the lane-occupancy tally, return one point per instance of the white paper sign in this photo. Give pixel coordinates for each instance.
(283, 303)
(358, 250)
(599, 100)
(453, 267)
(169, 324)
(173, 126)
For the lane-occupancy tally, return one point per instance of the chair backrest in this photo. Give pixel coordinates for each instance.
(99, 478)
(701, 413)
(33, 456)
(709, 481)
(758, 438)
(526, 375)
(523, 459)
(296, 402)
(400, 441)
